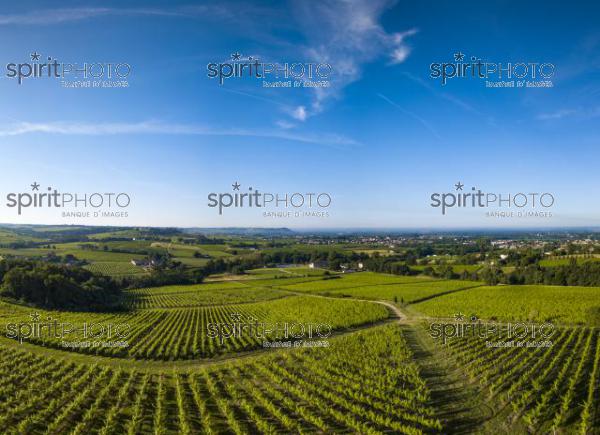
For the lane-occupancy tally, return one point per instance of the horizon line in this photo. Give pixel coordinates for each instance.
(319, 229)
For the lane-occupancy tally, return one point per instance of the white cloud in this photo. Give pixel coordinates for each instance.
(299, 113)
(400, 54)
(155, 127)
(400, 37)
(347, 35)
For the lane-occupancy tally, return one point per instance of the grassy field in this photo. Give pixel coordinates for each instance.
(25, 252)
(457, 268)
(81, 254)
(114, 258)
(566, 260)
(12, 237)
(274, 272)
(181, 250)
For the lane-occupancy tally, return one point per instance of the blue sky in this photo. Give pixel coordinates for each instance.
(380, 140)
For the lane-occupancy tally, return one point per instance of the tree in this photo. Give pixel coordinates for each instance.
(54, 285)
(492, 275)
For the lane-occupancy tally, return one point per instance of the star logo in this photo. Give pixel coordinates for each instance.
(459, 57)
(235, 56)
(35, 186)
(35, 316)
(236, 186)
(459, 186)
(35, 56)
(459, 317)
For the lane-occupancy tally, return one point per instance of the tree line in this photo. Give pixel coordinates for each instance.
(579, 274)
(57, 286)
(576, 274)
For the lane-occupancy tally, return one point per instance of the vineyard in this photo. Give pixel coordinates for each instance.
(181, 333)
(364, 278)
(544, 389)
(200, 295)
(364, 383)
(408, 290)
(115, 268)
(174, 378)
(559, 304)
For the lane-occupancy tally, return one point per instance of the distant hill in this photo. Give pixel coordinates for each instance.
(240, 231)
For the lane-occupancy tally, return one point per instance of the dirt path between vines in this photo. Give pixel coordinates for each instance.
(458, 405)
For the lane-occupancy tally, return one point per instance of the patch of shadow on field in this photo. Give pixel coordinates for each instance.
(437, 295)
(456, 404)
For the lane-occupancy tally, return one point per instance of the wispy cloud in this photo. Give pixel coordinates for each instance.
(401, 50)
(156, 127)
(559, 114)
(416, 117)
(254, 96)
(441, 94)
(298, 113)
(580, 113)
(63, 15)
(282, 123)
(347, 35)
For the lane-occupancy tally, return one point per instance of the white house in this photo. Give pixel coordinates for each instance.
(142, 263)
(317, 265)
